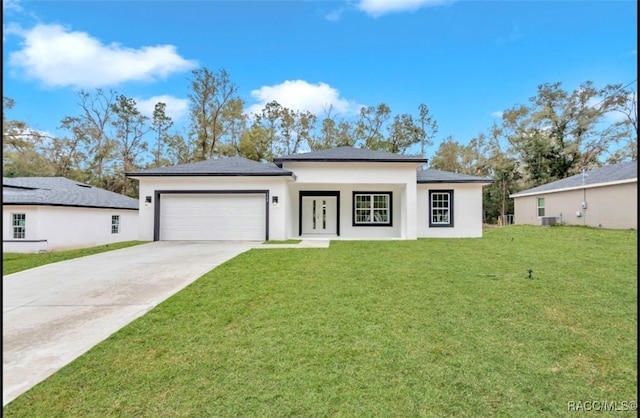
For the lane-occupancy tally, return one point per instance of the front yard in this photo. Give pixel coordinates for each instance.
(434, 327)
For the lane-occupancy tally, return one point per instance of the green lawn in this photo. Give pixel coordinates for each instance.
(14, 262)
(433, 328)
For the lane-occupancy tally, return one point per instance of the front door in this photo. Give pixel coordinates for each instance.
(319, 215)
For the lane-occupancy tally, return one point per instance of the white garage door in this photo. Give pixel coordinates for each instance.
(204, 217)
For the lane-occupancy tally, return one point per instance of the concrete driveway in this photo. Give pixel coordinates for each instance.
(53, 314)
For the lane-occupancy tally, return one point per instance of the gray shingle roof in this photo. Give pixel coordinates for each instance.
(60, 191)
(607, 174)
(222, 166)
(439, 176)
(350, 154)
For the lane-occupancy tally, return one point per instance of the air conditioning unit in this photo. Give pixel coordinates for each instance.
(549, 221)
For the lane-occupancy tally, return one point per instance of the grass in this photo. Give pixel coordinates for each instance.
(287, 241)
(433, 328)
(15, 262)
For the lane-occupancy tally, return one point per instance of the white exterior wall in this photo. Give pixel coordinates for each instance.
(347, 177)
(54, 228)
(467, 211)
(277, 186)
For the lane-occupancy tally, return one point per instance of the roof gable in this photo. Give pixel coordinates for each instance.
(222, 166)
(350, 154)
(608, 174)
(60, 191)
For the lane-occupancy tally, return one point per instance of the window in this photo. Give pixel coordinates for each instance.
(540, 207)
(19, 224)
(440, 208)
(115, 224)
(371, 209)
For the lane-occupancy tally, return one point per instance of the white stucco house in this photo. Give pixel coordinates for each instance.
(55, 213)
(340, 193)
(606, 197)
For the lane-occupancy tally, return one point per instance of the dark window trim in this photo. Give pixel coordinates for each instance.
(117, 225)
(450, 224)
(314, 193)
(158, 200)
(13, 226)
(366, 192)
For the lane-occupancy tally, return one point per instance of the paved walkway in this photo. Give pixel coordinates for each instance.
(53, 314)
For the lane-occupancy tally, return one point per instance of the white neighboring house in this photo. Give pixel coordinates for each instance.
(603, 198)
(339, 193)
(55, 213)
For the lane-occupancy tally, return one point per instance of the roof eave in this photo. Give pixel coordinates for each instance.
(580, 187)
(350, 160)
(134, 175)
(66, 205)
(455, 181)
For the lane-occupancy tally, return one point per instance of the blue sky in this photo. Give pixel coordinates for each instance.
(466, 60)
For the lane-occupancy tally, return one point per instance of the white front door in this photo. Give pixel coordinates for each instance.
(319, 215)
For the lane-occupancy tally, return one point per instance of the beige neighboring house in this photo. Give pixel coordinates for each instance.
(55, 213)
(603, 198)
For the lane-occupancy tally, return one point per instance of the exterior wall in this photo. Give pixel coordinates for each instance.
(347, 229)
(347, 177)
(54, 228)
(276, 186)
(467, 211)
(611, 207)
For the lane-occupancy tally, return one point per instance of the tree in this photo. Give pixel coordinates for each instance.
(93, 124)
(295, 130)
(403, 134)
(255, 142)
(235, 122)
(211, 93)
(560, 133)
(448, 157)
(160, 124)
(428, 128)
(130, 127)
(625, 103)
(333, 133)
(68, 154)
(21, 147)
(368, 127)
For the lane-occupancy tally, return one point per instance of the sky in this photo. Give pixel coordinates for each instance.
(466, 60)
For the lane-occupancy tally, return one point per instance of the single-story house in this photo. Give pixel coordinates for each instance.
(339, 193)
(55, 213)
(603, 198)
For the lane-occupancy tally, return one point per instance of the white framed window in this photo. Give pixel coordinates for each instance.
(19, 225)
(372, 209)
(115, 224)
(540, 207)
(440, 208)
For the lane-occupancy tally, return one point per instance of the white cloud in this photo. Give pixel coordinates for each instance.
(513, 36)
(176, 108)
(301, 95)
(497, 114)
(58, 57)
(377, 8)
(14, 5)
(335, 15)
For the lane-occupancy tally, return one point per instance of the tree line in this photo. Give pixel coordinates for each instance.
(555, 135)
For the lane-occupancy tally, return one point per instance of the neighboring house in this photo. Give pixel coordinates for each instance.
(55, 213)
(604, 198)
(340, 193)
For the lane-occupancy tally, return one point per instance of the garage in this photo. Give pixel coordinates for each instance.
(213, 216)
